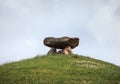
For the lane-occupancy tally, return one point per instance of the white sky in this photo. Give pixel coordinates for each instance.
(25, 23)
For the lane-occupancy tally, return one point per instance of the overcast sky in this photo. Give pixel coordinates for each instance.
(25, 23)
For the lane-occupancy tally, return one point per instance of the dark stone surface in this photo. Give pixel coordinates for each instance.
(61, 43)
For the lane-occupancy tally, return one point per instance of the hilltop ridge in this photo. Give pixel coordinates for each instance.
(60, 69)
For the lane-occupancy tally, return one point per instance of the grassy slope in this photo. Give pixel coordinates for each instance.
(60, 69)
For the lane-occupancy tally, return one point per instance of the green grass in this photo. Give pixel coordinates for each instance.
(60, 69)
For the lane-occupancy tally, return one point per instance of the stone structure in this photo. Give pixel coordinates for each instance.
(66, 44)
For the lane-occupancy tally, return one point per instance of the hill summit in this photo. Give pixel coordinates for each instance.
(60, 69)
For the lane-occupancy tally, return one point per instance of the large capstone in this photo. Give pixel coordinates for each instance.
(61, 43)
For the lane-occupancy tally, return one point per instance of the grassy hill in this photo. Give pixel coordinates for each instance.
(60, 69)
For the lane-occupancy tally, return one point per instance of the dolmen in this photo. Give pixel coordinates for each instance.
(64, 44)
